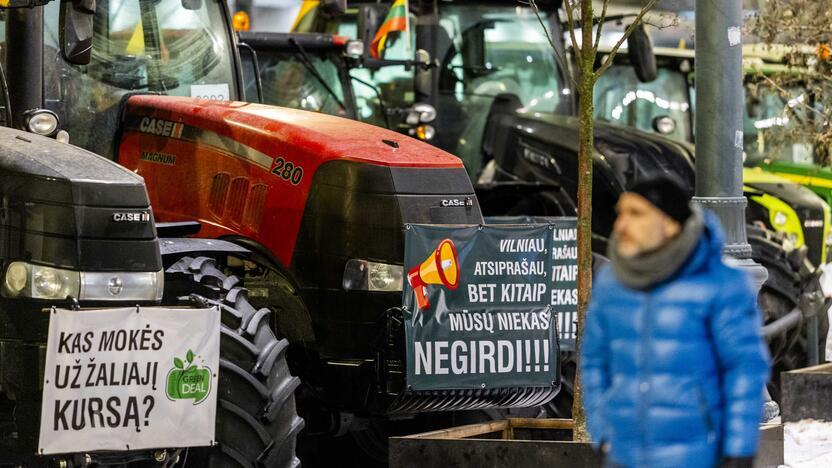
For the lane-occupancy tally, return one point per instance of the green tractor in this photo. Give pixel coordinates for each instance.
(771, 142)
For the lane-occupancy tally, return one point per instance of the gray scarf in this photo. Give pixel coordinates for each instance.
(647, 269)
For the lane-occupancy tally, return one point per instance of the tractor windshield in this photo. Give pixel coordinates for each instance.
(485, 51)
(312, 80)
(489, 50)
(775, 124)
(174, 47)
(662, 105)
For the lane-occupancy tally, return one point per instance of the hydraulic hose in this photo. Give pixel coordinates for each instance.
(784, 323)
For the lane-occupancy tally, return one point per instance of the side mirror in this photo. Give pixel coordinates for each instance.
(76, 25)
(640, 50)
(370, 17)
(473, 51)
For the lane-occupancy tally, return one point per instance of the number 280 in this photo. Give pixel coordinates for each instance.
(287, 171)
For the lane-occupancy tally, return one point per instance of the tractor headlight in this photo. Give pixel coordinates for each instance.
(780, 218)
(122, 286)
(41, 282)
(41, 121)
(363, 275)
(16, 278)
(354, 49)
(425, 132)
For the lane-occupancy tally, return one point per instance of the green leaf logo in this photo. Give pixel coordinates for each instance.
(193, 382)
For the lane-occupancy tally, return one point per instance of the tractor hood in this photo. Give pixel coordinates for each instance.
(262, 128)
(626, 153)
(67, 207)
(36, 168)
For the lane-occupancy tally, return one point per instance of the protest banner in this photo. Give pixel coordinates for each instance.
(477, 305)
(129, 379)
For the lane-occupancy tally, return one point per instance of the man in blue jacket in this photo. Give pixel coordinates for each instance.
(673, 362)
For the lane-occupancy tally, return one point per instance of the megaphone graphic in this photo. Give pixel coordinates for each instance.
(441, 267)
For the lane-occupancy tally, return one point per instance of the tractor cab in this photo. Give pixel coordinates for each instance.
(307, 71)
(476, 51)
(95, 55)
(666, 106)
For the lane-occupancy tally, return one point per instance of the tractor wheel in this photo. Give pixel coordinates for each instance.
(779, 295)
(561, 405)
(257, 424)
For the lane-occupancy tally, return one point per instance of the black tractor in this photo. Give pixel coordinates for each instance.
(78, 233)
(488, 87)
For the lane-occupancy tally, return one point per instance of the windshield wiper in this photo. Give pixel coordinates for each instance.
(307, 63)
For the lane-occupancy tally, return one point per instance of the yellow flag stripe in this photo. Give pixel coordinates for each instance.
(305, 7)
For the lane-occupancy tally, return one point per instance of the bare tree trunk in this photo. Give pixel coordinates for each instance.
(581, 12)
(586, 61)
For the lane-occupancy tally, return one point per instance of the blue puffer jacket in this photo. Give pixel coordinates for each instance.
(674, 376)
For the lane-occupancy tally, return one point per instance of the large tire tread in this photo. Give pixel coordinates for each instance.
(257, 423)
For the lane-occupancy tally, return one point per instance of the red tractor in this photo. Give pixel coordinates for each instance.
(319, 203)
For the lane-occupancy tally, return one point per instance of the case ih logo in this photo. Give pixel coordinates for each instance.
(161, 127)
(457, 202)
(143, 217)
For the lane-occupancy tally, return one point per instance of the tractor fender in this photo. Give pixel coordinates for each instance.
(294, 320)
(174, 248)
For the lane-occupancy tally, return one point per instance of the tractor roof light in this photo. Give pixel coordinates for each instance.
(241, 21)
(41, 121)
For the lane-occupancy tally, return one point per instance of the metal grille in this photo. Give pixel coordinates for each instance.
(254, 209)
(456, 400)
(219, 192)
(237, 199)
(812, 236)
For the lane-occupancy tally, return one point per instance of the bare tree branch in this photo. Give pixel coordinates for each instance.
(564, 65)
(570, 18)
(601, 20)
(800, 104)
(608, 61)
(673, 22)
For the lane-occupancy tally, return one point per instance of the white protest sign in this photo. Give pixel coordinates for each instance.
(130, 378)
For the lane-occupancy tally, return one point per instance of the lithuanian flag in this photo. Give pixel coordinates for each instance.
(305, 21)
(396, 20)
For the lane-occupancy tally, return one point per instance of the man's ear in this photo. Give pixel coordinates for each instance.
(672, 228)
